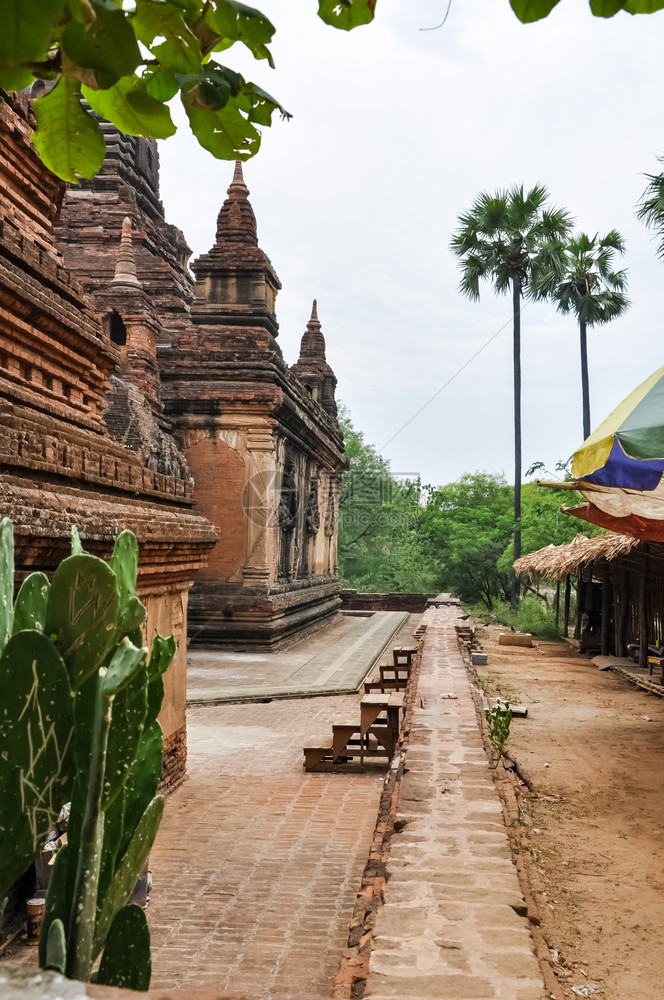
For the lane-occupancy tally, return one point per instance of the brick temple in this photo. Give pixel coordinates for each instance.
(59, 465)
(260, 439)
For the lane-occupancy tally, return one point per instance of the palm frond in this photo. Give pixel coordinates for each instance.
(501, 235)
(602, 308)
(588, 286)
(650, 208)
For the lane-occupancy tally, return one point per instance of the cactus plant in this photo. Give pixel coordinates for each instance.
(36, 727)
(31, 603)
(79, 702)
(6, 580)
(126, 946)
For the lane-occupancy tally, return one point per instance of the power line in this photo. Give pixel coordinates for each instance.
(449, 381)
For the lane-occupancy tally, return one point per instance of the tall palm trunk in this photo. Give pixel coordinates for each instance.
(585, 385)
(516, 305)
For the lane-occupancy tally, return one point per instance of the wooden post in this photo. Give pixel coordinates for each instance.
(606, 610)
(568, 595)
(643, 609)
(619, 602)
(556, 605)
(580, 601)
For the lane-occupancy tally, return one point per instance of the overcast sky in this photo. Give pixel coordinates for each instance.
(395, 131)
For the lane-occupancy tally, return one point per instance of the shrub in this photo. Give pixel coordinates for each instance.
(534, 616)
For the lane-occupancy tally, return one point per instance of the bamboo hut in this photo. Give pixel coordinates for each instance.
(619, 471)
(620, 591)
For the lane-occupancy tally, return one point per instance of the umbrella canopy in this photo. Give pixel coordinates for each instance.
(627, 449)
(618, 469)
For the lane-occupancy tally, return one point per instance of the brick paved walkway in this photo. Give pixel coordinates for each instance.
(449, 929)
(257, 864)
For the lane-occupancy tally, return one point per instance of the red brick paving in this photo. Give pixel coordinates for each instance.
(257, 864)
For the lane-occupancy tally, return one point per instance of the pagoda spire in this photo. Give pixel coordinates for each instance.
(235, 282)
(312, 368)
(125, 263)
(312, 346)
(238, 177)
(236, 222)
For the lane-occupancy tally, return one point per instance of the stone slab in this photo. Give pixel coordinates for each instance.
(515, 639)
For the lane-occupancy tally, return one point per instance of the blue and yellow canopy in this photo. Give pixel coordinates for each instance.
(619, 468)
(627, 449)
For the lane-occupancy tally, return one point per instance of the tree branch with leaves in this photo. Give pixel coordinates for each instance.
(127, 61)
(536, 10)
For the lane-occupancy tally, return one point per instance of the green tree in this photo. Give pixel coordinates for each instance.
(651, 207)
(507, 238)
(543, 523)
(381, 540)
(468, 525)
(129, 60)
(588, 286)
(535, 10)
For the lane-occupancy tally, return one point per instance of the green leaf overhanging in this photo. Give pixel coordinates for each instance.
(230, 21)
(106, 46)
(67, 138)
(132, 108)
(606, 8)
(532, 10)
(346, 14)
(27, 27)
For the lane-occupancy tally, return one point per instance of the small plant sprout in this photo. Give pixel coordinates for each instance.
(498, 720)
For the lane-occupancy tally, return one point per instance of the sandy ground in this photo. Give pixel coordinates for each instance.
(590, 832)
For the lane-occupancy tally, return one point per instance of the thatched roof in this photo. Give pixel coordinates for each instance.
(556, 561)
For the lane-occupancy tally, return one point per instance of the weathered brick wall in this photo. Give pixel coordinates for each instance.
(166, 605)
(219, 473)
(58, 465)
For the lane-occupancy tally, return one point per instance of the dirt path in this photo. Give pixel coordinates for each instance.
(591, 830)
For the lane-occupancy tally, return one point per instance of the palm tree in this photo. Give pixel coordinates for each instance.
(583, 281)
(651, 207)
(502, 240)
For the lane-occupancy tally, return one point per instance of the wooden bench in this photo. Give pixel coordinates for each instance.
(656, 661)
(389, 678)
(378, 730)
(375, 684)
(316, 755)
(349, 741)
(374, 736)
(382, 709)
(394, 672)
(403, 655)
